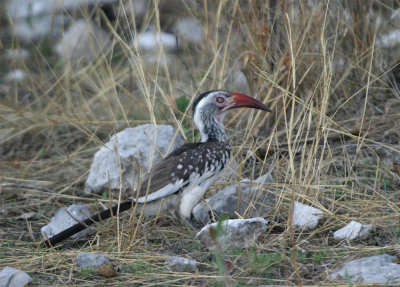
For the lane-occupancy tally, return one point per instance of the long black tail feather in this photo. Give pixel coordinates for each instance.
(85, 223)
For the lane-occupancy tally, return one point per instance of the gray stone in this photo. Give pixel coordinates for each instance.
(180, 264)
(201, 212)
(234, 233)
(189, 30)
(11, 277)
(254, 201)
(33, 19)
(62, 220)
(83, 41)
(240, 83)
(167, 9)
(136, 9)
(153, 40)
(90, 260)
(389, 40)
(16, 75)
(17, 54)
(32, 8)
(374, 269)
(353, 230)
(306, 217)
(39, 26)
(176, 8)
(29, 8)
(136, 149)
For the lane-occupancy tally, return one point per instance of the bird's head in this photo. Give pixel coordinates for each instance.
(210, 107)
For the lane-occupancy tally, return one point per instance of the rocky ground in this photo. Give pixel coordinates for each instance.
(92, 93)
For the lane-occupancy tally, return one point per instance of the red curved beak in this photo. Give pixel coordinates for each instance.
(243, 101)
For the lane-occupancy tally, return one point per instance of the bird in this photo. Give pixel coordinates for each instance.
(181, 179)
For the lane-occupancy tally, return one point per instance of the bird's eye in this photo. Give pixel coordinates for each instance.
(220, 100)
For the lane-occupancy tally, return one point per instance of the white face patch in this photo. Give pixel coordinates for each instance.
(199, 122)
(198, 116)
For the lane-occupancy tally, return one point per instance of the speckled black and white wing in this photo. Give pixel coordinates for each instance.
(191, 164)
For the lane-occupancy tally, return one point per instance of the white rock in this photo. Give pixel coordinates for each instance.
(201, 212)
(153, 40)
(90, 260)
(11, 277)
(254, 201)
(389, 39)
(395, 15)
(353, 230)
(176, 8)
(235, 233)
(33, 19)
(62, 220)
(16, 75)
(180, 264)
(29, 8)
(134, 148)
(167, 8)
(17, 54)
(189, 30)
(38, 27)
(33, 8)
(134, 8)
(82, 41)
(374, 269)
(240, 83)
(306, 217)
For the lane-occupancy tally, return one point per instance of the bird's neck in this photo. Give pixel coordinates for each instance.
(212, 131)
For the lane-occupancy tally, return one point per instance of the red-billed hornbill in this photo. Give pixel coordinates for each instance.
(180, 180)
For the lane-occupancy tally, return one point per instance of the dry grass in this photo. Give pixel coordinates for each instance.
(332, 141)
